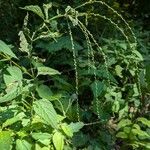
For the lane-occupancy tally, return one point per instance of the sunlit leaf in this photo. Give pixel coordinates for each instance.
(4, 48)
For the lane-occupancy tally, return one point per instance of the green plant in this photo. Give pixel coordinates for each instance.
(65, 82)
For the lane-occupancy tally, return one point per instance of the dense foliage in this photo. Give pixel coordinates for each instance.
(74, 75)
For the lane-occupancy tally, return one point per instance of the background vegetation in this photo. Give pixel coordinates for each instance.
(74, 75)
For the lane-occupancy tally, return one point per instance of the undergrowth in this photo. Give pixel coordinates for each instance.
(67, 88)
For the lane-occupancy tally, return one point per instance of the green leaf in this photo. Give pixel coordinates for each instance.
(67, 130)
(100, 88)
(24, 46)
(58, 141)
(11, 95)
(15, 74)
(47, 71)
(45, 110)
(35, 9)
(123, 123)
(4, 48)
(61, 43)
(76, 126)
(144, 121)
(122, 135)
(118, 70)
(41, 137)
(11, 121)
(23, 145)
(44, 91)
(138, 55)
(141, 133)
(6, 140)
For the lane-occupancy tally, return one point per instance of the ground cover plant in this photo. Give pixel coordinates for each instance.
(74, 76)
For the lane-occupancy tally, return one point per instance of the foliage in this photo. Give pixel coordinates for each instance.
(70, 83)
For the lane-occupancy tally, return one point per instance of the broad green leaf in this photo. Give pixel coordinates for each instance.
(123, 123)
(24, 46)
(58, 141)
(45, 110)
(6, 140)
(138, 54)
(35, 9)
(122, 45)
(46, 8)
(61, 43)
(38, 147)
(97, 88)
(47, 71)
(15, 74)
(11, 95)
(11, 121)
(44, 91)
(122, 135)
(116, 106)
(67, 130)
(4, 48)
(76, 126)
(23, 145)
(144, 121)
(118, 70)
(42, 137)
(141, 133)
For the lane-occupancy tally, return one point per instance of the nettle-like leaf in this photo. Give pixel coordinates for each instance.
(13, 120)
(23, 145)
(75, 127)
(6, 140)
(44, 91)
(97, 88)
(15, 75)
(45, 110)
(42, 137)
(47, 71)
(12, 94)
(35, 9)
(4, 48)
(67, 129)
(24, 45)
(61, 43)
(58, 141)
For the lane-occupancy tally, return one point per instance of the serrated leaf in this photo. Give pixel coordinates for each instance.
(47, 71)
(138, 54)
(58, 141)
(76, 126)
(6, 140)
(4, 48)
(35, 9)
(41, 137)
(44, 91)
(11, 95)
(61, 43)
(23, 145)
(67, 130)
(97, 88)
(15, 74)
(45, 110)
(11, 121)
(24, 46)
